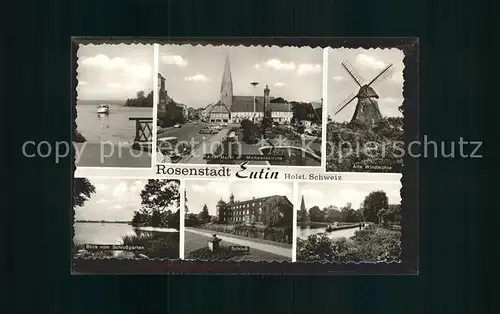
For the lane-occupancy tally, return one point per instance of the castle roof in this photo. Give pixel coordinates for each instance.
(260, 199)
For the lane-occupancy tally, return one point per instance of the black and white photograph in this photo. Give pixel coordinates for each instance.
(349, 222)
(126, 218)
(238, 221)
(228, 104)
(364, 131)
(114, 106)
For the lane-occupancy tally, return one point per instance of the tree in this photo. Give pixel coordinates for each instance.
(373, 203)
(141, 95)
(139, 218)
(156, 218)
(278, 100)
(82, 190)
(277, 211)
(204, 215)
(316, 214)
(158, 194)
(332, 213)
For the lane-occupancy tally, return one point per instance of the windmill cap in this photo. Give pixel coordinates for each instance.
(367, 91)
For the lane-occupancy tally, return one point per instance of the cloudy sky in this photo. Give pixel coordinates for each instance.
(194, 73)
(114, 200)
(114, 72)
(324, 194)
(202, 192)
(368, 63)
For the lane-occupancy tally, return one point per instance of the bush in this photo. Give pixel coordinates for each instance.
(372, 244)
(156, 244)
(251, 131)
(224, 253)
(345, 136)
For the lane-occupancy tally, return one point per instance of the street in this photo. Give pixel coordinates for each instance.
(186, 132)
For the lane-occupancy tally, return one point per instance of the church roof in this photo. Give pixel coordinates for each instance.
(245, 104)
(219, 107)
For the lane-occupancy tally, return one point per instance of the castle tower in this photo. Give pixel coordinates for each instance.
(231, 199)
(226, 87)
(221, 209)
(162, 91)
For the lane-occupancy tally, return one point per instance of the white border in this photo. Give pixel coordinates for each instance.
(324, 116)
(155, 102)
(151, 173)
(296, 207)
(182, 189)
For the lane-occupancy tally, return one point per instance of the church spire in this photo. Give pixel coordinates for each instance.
(303, 204)
(226, 87)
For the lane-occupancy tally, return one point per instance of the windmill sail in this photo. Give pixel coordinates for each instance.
(344, 103)
(367, 109)
(386, 72)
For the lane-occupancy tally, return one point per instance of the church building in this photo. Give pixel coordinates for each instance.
(233, 109)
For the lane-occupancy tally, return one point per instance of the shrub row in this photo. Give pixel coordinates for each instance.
(282, 235)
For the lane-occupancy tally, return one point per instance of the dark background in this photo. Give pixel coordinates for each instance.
(456, 56)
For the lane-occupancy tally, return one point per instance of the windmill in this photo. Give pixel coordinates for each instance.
(367, 110)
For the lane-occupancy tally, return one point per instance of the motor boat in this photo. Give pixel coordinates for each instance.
(103, 109)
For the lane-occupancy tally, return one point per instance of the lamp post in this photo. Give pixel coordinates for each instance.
(254, 85)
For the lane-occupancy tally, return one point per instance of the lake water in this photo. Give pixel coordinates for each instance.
(114, 127)
(107, 233)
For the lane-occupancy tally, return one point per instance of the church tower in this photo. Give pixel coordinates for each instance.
(303, 204)
(226, 87)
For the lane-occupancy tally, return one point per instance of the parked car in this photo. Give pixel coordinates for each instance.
(161, 158)
(171, 147)
(208, 130)
(223, 124)
(195, 122)
(177, 125)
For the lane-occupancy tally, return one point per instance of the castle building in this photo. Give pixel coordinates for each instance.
(247, 211)
(233, 109)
